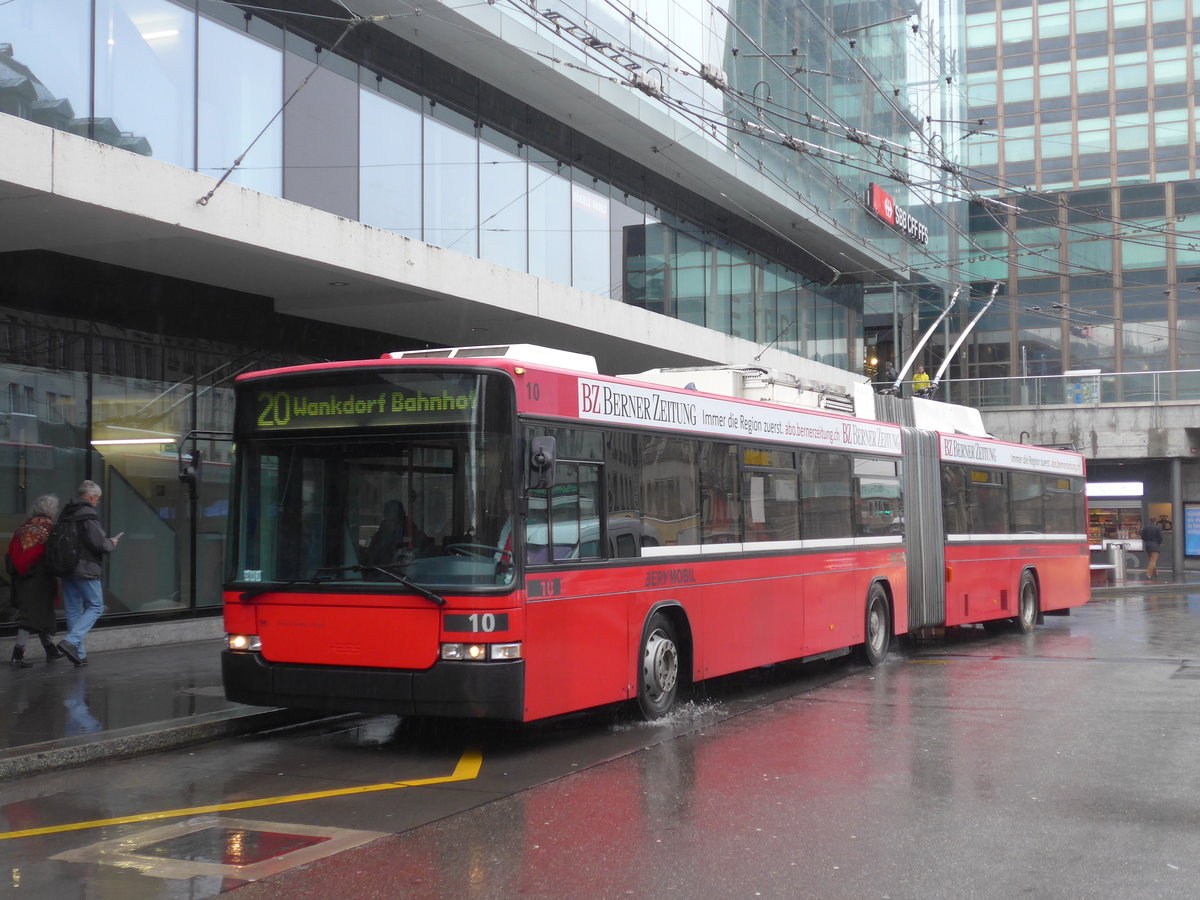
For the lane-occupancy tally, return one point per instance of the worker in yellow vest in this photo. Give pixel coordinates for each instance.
(920, 382)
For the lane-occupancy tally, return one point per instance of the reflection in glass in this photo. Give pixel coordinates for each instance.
(645, 251)
(45, 79)
(827, 332)
(766, 311)
(390, 165)
(549, 220)
(145, 78)
(623, 217)
(1066, 505)
(788, 303)
(742, 289)
(690, 275)
(717, 311)
(144, 500)
(669, 495)
(43, 417)
(563, 523)
(451, 184)
(503, 220)
(136, 424)
(825, 495)
(240, 90)
(771, 509)
(589, 240)
(720, 507)
(1025, 502)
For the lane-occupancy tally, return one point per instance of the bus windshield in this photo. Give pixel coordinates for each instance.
(406, 491)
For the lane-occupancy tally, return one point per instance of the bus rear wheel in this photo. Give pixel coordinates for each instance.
(658, 669)
(1027, 604)
(878, 633)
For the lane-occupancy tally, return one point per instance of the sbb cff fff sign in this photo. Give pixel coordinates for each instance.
(884, 206)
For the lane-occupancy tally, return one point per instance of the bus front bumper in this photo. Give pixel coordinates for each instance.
(472, 690)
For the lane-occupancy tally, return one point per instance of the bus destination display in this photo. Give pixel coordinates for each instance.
(358, 405)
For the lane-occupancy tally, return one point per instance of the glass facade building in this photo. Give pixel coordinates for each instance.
(194, 87)
(106, 367)
(1083, 126)
(109, 396)
(1088, 136)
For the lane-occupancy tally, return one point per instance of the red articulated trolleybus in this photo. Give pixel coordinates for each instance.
(503, 533)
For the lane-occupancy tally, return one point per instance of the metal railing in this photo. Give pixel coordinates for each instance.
(1178, 385)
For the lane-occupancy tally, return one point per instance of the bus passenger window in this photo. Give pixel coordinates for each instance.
(720, 507)
(624, 536)
(989, 502)
(955, 517)
(1025, 503)
(1064, 505)
(563, 522)
(877, 499)
(669, 495)
(537, 529)
(772, 513)
(825, 495)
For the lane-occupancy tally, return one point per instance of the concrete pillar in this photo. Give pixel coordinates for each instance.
(1177, 530)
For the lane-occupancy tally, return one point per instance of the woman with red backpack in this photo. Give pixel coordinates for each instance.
(34, 587)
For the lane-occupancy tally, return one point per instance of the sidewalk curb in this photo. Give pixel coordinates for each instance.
(1142, 587)
(123, 742)
(121, 636)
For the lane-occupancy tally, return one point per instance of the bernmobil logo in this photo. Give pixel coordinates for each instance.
(883, 205)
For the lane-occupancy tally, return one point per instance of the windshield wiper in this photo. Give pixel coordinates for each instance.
(387, 569)
(327, 573)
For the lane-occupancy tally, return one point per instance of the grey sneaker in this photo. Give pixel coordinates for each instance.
(71, 652)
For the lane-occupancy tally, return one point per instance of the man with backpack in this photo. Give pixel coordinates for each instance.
(78, 536)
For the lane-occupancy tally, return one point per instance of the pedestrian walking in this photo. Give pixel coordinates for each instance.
(34, 587)
(1152, 538)
(83, 595)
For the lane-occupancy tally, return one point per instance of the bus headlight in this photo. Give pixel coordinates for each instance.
(472, 652)
(243, 642)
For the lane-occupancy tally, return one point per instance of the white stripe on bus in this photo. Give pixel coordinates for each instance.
(1022, 538)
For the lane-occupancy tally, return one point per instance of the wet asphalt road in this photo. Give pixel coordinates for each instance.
(1061, 764)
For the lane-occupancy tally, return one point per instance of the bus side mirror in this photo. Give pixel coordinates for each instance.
(189, 469)
(542, 457)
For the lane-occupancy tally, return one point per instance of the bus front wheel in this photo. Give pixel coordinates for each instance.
(1027, 604)
(878, 635)
(658, 669)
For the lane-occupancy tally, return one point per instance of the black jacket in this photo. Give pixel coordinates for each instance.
(94, 544)
(1152, 537)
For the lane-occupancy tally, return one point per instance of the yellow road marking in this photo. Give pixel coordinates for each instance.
(466, 770)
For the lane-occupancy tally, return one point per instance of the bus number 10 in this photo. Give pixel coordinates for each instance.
(477, 623)
(485, 622)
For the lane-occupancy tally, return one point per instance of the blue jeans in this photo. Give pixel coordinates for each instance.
(83, 599)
